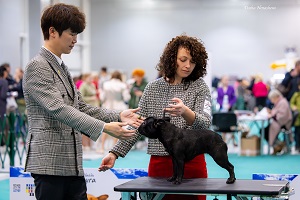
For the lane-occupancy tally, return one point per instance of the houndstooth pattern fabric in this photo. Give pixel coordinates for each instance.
(57, 116)
(157, 96)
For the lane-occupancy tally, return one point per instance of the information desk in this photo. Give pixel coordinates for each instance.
(156, 188)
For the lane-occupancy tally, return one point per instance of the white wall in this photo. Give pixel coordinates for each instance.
(12, 30)
(125, 34)
(21, 38)
(242, 40)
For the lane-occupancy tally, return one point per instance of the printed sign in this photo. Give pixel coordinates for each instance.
(294, 180)
(98, 183)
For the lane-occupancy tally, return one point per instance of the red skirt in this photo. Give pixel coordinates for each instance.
(161, 166)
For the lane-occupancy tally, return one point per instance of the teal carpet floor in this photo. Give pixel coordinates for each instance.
(244, 166)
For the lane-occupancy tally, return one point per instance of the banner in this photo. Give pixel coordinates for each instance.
(98, 183)
(294, 180)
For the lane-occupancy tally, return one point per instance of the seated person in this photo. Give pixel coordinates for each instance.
(280, 116)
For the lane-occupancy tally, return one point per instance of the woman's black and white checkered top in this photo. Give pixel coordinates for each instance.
(157, 96)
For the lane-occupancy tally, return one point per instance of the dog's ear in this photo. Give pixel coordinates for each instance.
(168, 119)
(158, 122)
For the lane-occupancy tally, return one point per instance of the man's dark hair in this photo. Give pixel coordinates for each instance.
(104, 69)
(2, 70)
(6, 65)
(62, 17)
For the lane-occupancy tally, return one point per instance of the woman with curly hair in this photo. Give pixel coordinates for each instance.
(184, 96)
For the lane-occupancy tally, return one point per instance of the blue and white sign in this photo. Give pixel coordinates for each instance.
(98, 183)
(294, 180)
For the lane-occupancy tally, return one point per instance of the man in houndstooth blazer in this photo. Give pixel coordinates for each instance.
(57, 114)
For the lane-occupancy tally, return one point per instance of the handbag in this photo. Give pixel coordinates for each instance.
(11, 104)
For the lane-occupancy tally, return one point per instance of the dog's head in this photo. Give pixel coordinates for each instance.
(151, 127)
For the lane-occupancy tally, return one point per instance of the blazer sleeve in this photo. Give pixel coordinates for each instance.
(43, 93)
(100, 113)
(202, 108)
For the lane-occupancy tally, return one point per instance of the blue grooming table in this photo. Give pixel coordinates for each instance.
(156, 188)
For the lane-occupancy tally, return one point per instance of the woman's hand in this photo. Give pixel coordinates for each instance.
(269, 116)
(107, 162)
(176, 108)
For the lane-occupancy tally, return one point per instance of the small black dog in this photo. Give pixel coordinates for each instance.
(184, 145)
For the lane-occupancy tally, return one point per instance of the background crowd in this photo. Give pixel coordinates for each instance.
(110, 90)
(113, 90)
(279, 99)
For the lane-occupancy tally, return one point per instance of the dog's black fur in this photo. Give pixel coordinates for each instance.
(184, 145)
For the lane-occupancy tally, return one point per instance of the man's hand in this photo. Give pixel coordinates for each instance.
(118, 130)
(107, 162)
(131, 117)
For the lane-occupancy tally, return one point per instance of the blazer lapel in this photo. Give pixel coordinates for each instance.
(60, 71)
(69, 78)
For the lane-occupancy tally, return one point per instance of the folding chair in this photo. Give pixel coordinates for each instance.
(225, 123)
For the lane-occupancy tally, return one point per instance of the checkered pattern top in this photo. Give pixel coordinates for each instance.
(157, 96)
(57, 115)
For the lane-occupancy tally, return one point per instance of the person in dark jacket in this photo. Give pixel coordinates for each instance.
(291, 80)
(3, 90)
(10, 80)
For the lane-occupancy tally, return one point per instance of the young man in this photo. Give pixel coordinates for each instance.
(57, 115)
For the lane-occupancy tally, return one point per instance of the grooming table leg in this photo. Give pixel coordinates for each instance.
(126, 195)
(151, 196)
(229, 197)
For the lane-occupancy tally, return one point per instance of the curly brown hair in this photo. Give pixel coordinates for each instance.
(168, 61)
(62, 17)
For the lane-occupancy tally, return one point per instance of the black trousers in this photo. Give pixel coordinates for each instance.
(297, 136)
(267, 133)
(48, 187)
(261, 102)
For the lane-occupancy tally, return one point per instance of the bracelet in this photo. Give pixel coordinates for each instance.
(114, 154)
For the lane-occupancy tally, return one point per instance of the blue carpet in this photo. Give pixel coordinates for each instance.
(244, 166)
(4, 189)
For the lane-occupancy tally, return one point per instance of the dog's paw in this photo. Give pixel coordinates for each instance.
(176, 182)
(171, 179)
(230, 180)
